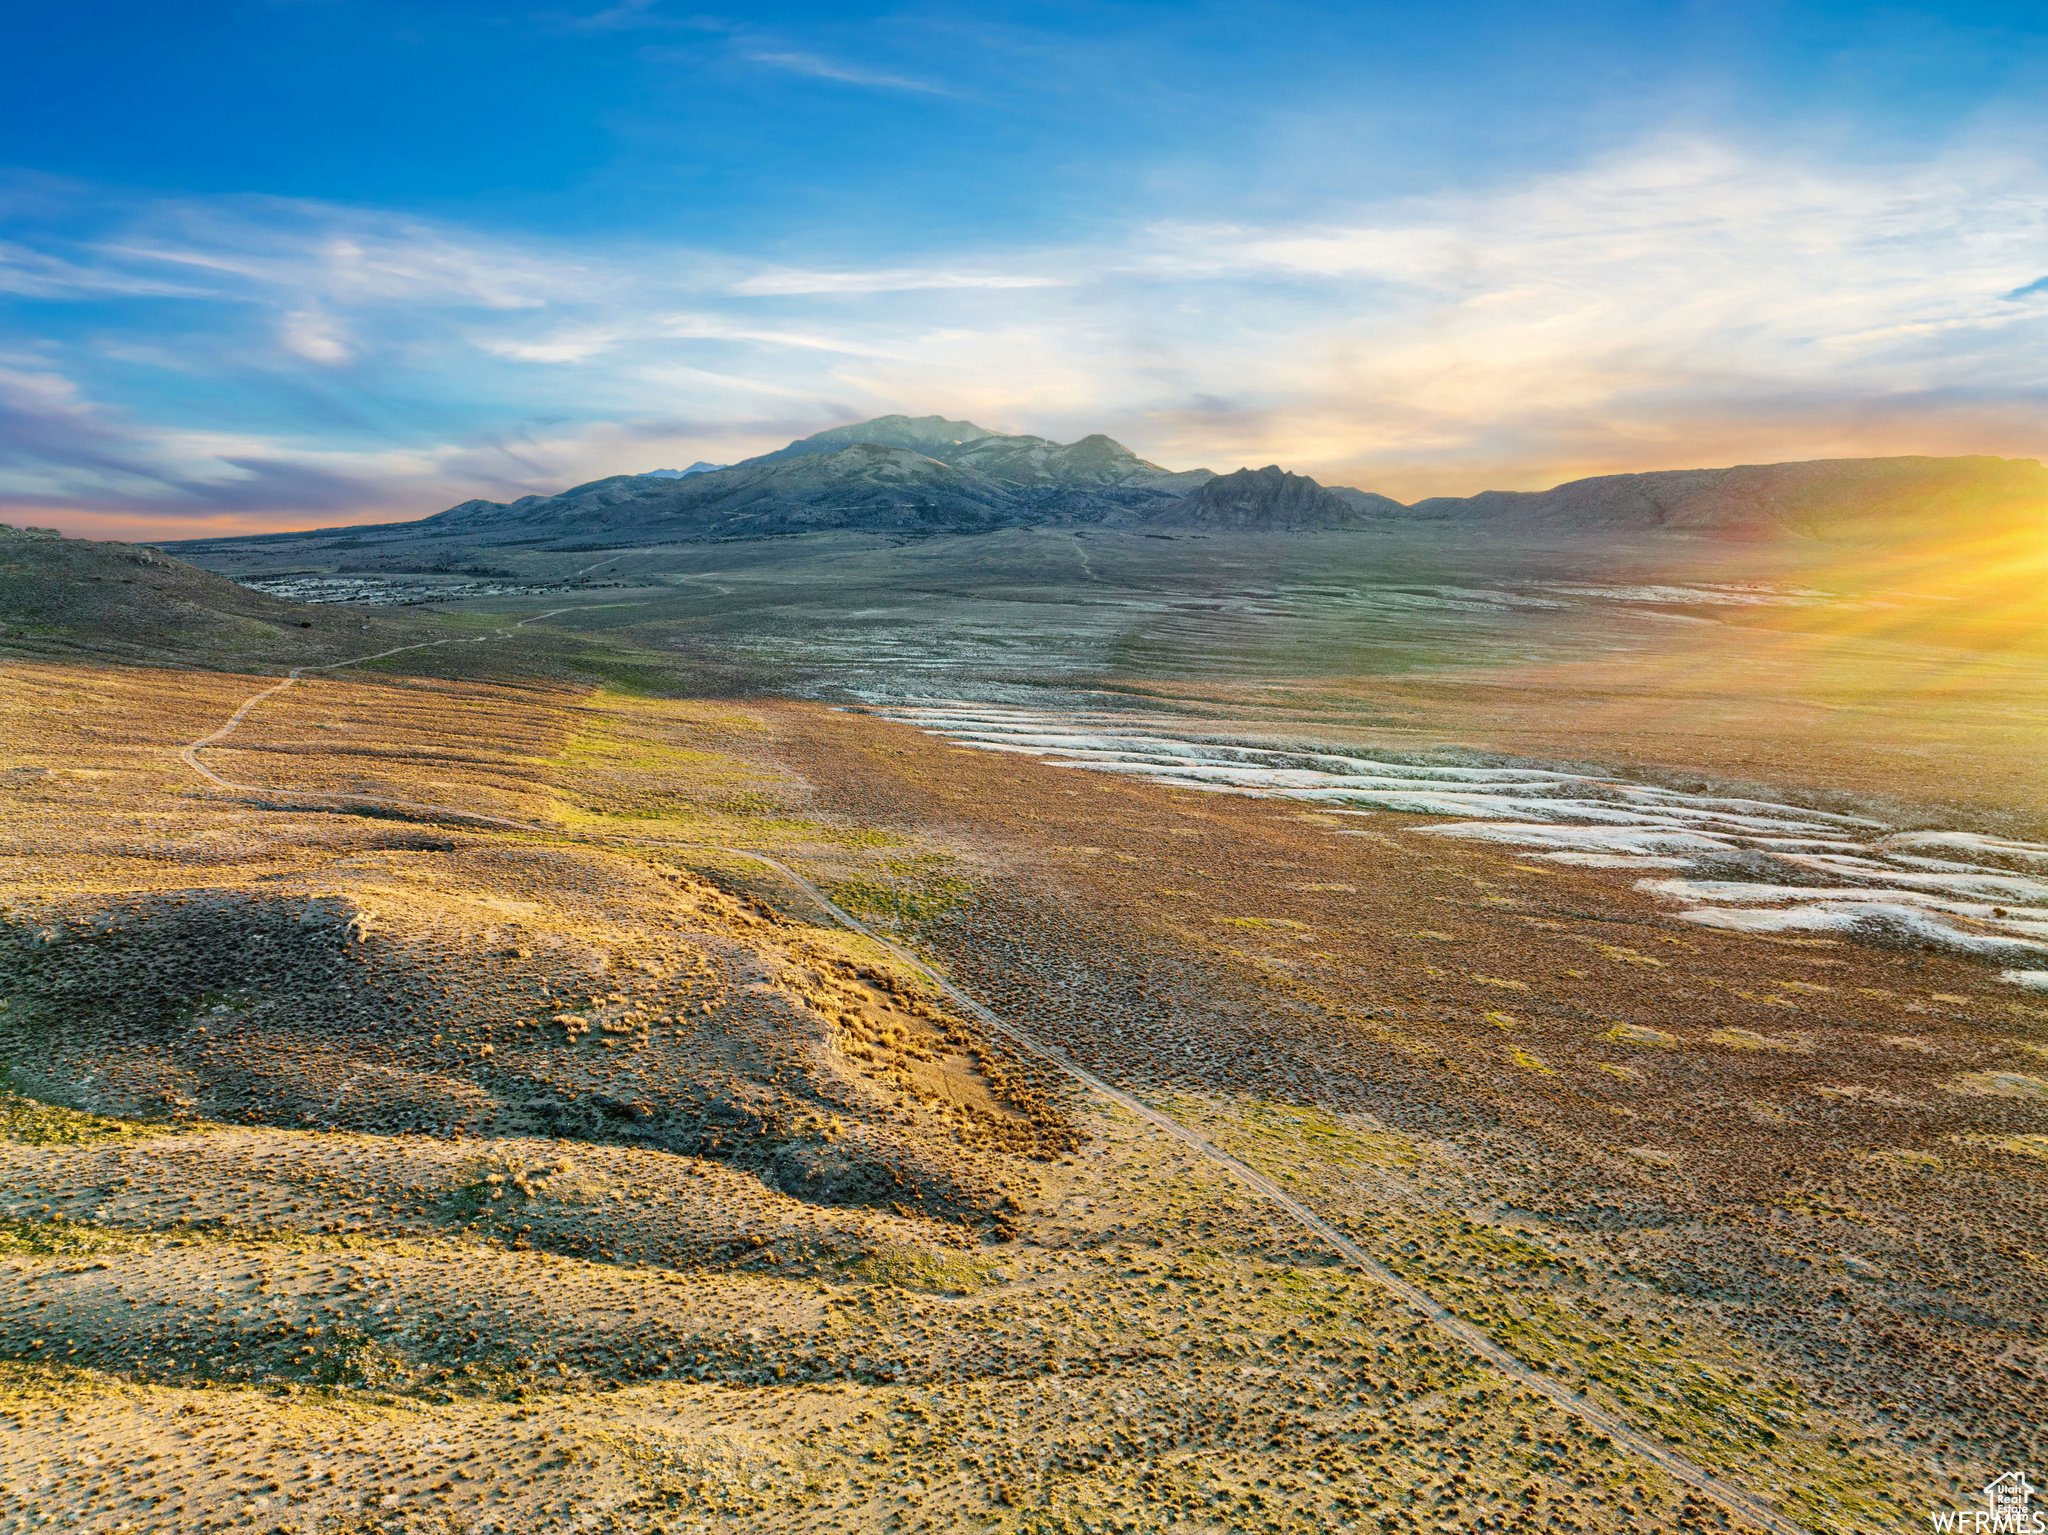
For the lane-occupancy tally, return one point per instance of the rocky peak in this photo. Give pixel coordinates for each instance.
(932, 435)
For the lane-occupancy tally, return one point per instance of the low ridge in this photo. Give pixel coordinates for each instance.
(1269, 499)
(1855, 500)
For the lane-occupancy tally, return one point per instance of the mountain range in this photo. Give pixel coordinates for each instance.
(927, 474)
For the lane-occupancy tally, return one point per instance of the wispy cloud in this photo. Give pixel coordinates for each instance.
(255, 244)
(762, 48)
(798, 62)
(62, 452)
(30, 273)
(625, 16)
(580, 343)
(908, 280)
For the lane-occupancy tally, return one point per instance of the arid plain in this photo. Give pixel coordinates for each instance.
(459, 1111)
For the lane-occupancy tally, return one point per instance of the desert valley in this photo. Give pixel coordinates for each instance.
(935, 980)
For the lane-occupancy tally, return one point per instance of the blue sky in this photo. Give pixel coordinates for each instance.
(273, 264)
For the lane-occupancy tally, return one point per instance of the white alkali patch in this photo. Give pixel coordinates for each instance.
(1770, 867)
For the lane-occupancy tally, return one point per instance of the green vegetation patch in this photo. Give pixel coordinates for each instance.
(634, 679)
(1668, 1376)
(62, 1238)
(658, 765)
(32, 1122)
(1274, 1136)
(904, 890)
(913, 1268)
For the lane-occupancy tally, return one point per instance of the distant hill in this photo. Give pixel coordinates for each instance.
(67, 595)
(1879, 501)
(1271, 499)
(702, 466)
(1370, 502)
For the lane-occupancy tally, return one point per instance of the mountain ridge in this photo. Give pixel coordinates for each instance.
(971, 481)
(920, 433)
(919, 475)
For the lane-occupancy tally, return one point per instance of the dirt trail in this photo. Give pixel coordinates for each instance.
(1444, 1320)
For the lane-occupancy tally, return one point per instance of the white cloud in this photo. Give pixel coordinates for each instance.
(315, 336)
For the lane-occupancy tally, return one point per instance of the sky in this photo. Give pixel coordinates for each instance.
(270, 264)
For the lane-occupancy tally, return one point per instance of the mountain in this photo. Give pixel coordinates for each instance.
(700, 467)
(1096, 465)
(1271, 499)
(865, 485)
(1888, 501)
(896, 474)
(930, 435)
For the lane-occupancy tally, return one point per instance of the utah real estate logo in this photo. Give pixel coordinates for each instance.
(2005, 1511)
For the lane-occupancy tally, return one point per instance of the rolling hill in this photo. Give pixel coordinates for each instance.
(1886, 501)
(65, 596)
